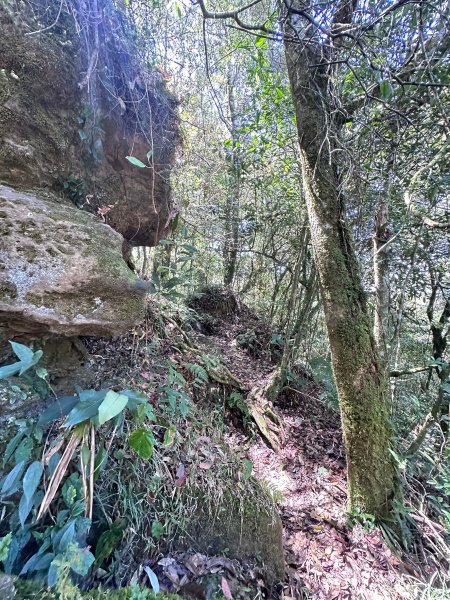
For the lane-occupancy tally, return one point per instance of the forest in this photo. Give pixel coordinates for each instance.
(224, 299)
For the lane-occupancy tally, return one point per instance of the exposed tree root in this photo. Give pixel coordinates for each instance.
(257, 401)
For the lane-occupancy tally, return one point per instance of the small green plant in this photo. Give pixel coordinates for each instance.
(60, 474)
(138, 163)
(322, 371)
(27, 359)
(200, 374)
(237, 400)
(76, 190)
(247, 340)
(168, 280)
(357, 516)
(174, 399)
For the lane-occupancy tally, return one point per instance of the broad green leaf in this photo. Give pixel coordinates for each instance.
(60, 408)
(85, 455)
(12, 479)
(22, 352)
(112, 405)
(25, 506)
(142, 442)
(67, 537)
(37, 562)
(172, 282)
(144, 412)
(88, 395)
(134, 398)
(260, 41)
(82, 412)
(52, 575)
(157, 530)
(5, 542)
(10, 370)
(136, 162)
(20, 540)
(191, 249)
(42, 373)
(169, 436)
(35, 359)
(248, 468)
(101, 458)
(31, 479)
(184, 258)
(12, 445)
(23, 451)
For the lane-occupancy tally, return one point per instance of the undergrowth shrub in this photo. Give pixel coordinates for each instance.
(48, 489)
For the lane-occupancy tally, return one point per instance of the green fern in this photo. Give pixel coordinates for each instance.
(200, 374)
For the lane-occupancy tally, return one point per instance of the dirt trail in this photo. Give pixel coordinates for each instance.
(323, 554)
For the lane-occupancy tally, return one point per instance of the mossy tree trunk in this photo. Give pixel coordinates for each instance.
(373, 481)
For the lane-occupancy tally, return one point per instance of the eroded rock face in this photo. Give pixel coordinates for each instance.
(61, 271)
(61, 132)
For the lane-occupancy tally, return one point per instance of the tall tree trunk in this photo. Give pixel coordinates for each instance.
(381, 269)
(231, 242)
(373, 480)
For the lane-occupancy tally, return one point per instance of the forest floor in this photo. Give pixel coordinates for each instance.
(327, 557)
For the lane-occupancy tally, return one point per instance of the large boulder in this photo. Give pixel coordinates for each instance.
(75, 101)
(61, 271)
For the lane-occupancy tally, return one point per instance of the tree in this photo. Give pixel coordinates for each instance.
(373, 481)
(344, 62)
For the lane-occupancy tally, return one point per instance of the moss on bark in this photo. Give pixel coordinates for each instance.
(361, 383)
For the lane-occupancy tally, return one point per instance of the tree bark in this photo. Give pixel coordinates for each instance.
(230, 249)
(381, 269)
(373, 480)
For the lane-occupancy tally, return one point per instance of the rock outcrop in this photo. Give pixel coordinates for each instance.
(61, 271)
(74, 103)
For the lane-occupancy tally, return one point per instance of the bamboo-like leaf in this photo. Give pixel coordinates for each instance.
(35, 359)
(22, 352)
(31, 479)
(10, 484)
(112, 405)
(153, 579)
(84, 410)
(10, 370)
(58, 409)
(25, 506)
(136, 162)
